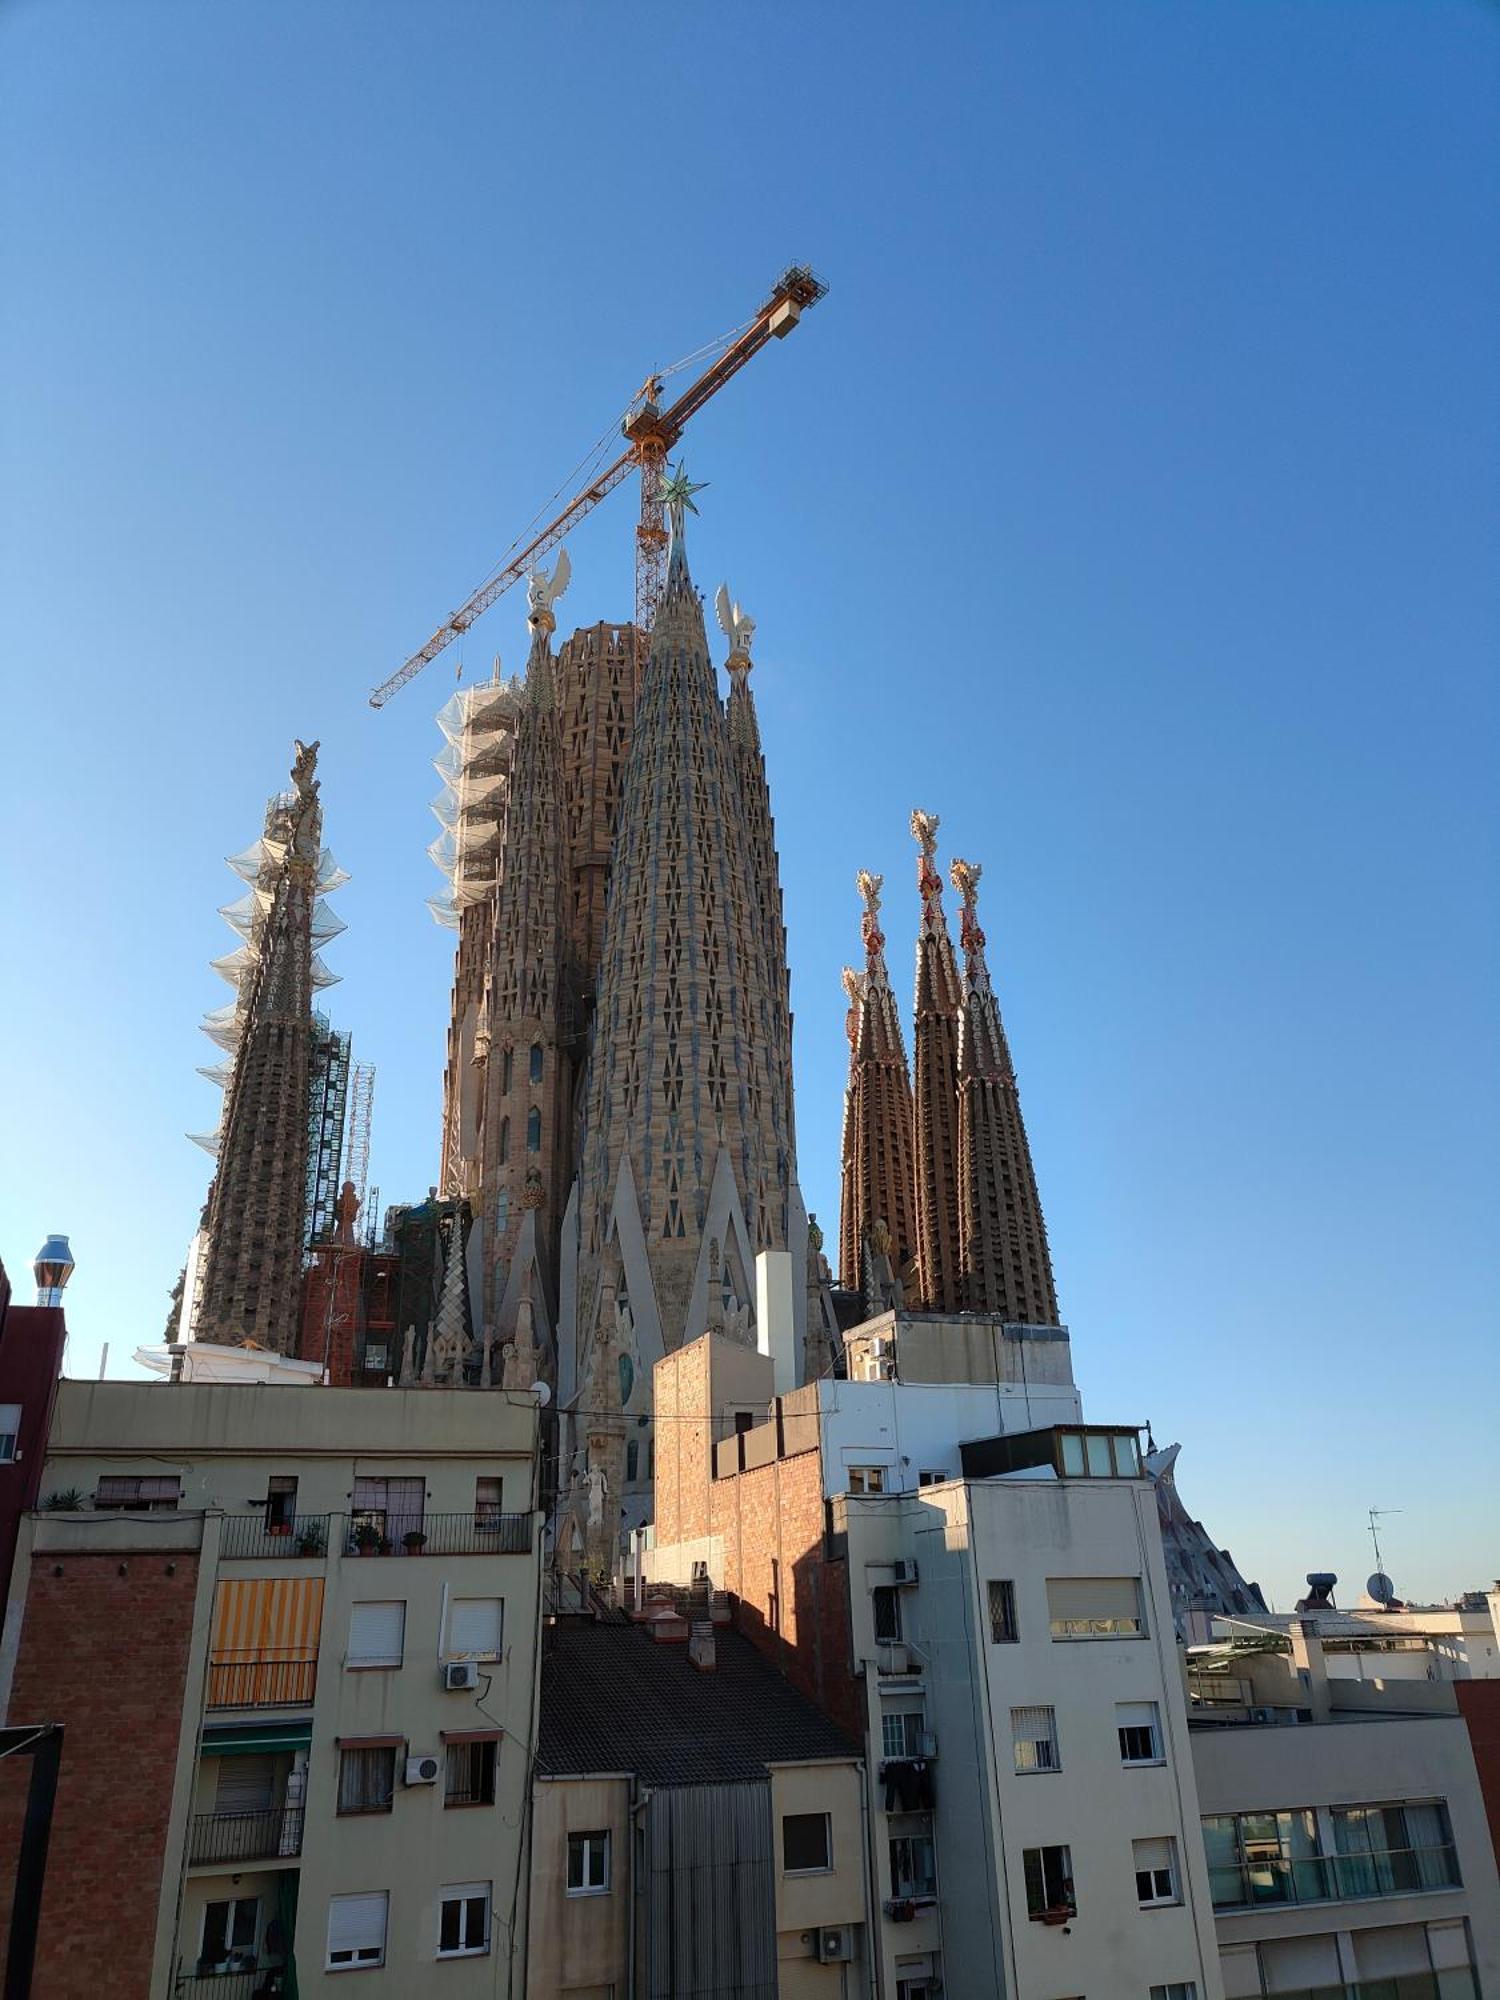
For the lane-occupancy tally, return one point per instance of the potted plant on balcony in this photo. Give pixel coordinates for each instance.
(312, 1539)
(414, 1541)
(368, 1540)
(69, 1500)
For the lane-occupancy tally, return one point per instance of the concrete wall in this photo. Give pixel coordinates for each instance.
(806, 1904)
(911, 1428)
(579, 1944)
(974, 1347)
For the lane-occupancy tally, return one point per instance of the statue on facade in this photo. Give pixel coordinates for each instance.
(738, 628)
(543, 591)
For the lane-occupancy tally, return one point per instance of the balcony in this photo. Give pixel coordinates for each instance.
(251, 1538)
(231, 1985)
(1333, 1878)
(374, 1534)
(251, 1679)
(1454, 1985)
(250, 1836)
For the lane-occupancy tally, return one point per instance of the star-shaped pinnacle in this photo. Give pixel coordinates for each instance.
(677, 490)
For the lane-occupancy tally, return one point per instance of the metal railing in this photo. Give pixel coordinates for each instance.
(246, 1836)
(230, 1985)
(468, 1534)
(1333, 1878)
(251, 1538)
(247, 1678)
(1457, 1984)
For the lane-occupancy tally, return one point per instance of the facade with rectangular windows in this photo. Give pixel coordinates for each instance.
(355, 1688)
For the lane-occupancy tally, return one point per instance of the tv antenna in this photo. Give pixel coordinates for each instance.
(1379, 1585)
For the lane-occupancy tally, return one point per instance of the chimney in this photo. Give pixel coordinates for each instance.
(775, 1333)
(701, 1647)
(53, 1268)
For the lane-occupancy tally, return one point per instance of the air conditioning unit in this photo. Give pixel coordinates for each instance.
(835, 1946)
(904, 1570)
(460, 1676)
(421, 1770)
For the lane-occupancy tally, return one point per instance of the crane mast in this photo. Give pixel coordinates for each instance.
(651, 432)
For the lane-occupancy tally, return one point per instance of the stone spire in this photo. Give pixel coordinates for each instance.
(1005, 1263)
(530, 1002)
(939, 1003)
(877, 1179)
(451, 1336)
(255, 1220)
(683, 1134)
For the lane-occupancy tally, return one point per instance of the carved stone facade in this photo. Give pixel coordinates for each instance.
(940, 1204)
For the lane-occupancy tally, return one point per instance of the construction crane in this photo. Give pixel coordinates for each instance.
(651, 432)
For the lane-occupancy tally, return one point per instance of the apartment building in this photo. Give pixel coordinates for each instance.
(945, 1557)
(292, 1636)
(1344, 1825)
(698, 1825)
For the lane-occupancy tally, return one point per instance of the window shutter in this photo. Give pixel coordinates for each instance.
(246, 1784)
(1080, 1600)
(474, 1628)
(1135, 1714)
(356, 1923)
(376, 1634)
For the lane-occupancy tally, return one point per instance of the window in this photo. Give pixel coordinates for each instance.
(1095, 1607)
(1176, 1989)
(1138, 1724)
(588, 1864)
(464, 1920)
(901, 1732)
(475, 1626)
(931, 1476)
(633, 1460)
(536, 1062)
(138, 1496)
(1265, 1858)
(744, 1420)
(913, 1870)
(229, 1933)
(394, 1506)
(887, 1608)
(245, 1785)
(502, 1210)
(507, 1070)
(866, 1478)
(469, 1779)
(1155, 1872)
(504, 1140)
(367, 1778)
(533, 1130)
(488, 1497)
(1003, 1630)
(281, 1506)
(1049, 1883)
(377, 1634)
(1393, 1850)
(356, 1930)
(806, 1844)
(10, 1430)
(1100, 1455)
(1034, 1731)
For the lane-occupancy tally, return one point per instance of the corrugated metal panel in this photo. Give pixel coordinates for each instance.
(710, 1893)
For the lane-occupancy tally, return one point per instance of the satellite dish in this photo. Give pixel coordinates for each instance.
(542, 1393)
(1380, 1587)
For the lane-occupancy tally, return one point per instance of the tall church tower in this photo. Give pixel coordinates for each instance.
(879, 1182)
(686, 1168)
(255, 1223)
(1006, 1265)
(939, 1002)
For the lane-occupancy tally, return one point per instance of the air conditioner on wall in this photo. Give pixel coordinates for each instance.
(835, 1946)
(904, 1570)
(421, 1770)
(460, 1676)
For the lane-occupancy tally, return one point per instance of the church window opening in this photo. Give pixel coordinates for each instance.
(536, 1062)
(502, 1211)
(504, 1140)
(507, 1069)
(533, 1130)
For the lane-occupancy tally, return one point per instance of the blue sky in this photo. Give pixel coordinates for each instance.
(1130, 501)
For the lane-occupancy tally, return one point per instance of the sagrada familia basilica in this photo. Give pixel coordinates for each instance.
(618, 1131)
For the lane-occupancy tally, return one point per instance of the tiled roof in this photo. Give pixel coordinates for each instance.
(614, 1699)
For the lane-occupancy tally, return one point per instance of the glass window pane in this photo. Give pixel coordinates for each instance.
(1097, 1447)
(1072, 1454)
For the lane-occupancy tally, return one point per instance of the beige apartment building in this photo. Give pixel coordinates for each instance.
(292, 1636)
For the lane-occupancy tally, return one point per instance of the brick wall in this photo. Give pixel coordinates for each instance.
(794, 1602)
(680, 1391)
(1479, 1705)
(106, 1655)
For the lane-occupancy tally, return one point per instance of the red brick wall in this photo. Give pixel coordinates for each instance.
(1479, 1705)
(106, 1655)
(794, 1603)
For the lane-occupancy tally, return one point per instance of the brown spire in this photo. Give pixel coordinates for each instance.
(939, 1003)
(877, 1179)
(1006, 1266)
(256, 1216)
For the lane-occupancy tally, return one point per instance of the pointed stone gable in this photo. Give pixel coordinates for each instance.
(878, 1175)
(1005, 1261)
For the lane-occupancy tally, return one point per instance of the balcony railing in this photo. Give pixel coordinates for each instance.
(441, 1535)
(1455, 1985)
(230, 1985)
(251, 1538)
(247, 1836)
(249, 1679)
(1332, 1878)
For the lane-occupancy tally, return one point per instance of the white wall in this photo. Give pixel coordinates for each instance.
(912, 1427)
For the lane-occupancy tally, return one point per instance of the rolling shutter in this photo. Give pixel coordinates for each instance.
(356, 1925)
(474, 1628)
(377, 1634)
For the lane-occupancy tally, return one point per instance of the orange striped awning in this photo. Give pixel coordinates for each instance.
(270, 1617)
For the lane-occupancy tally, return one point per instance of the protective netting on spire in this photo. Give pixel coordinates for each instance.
(479, 725)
